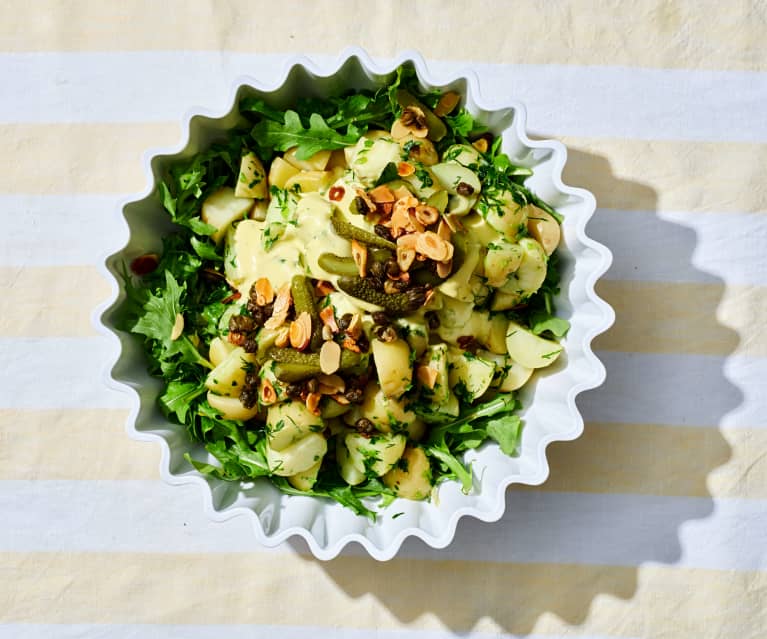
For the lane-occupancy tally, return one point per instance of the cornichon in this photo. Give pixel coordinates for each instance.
(351, 232)
(437, 128)
(292, 365)
(346, 265)
(396, 304)
(303, 300)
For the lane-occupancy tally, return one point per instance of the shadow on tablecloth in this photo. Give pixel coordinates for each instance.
(589, 528)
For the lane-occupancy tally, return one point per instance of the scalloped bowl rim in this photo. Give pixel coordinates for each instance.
(605, 320)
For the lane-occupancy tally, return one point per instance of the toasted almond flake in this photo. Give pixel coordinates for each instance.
(328, 317)
(350, 345)
(399, 131)
(327, 333)
(369, 203)
(447, 103)
(414, 120)
(330, 357)
(444, 269)
(430, 295)
(238, 339)
(178, 327)
(426, 215)
(275, 321)
(264, 291)
(331, 384)
(323, 288)
(427, 376)
(443, 230)
(433, 246)
(266, 393)
(360, 255)
(354, 330)
(301, 331)
(340, 399)
(284, 300)
(480, 145)
(412, 216)
(402, 191)
(381, 194)
(283, 337)
(313, 403)
(405, 258)
(404, 169)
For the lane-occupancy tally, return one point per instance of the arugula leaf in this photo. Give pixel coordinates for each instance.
(205, 250)
(541, 322)
(291, 133)
(505, 430)
(463, 124)
(178, 398)
(157, 321)
(260, 107)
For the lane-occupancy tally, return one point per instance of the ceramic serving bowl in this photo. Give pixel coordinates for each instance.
(550, 413)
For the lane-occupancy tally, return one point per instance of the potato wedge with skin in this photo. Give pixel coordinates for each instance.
(411, 476)
(223, 207)
(298, 457)
(544, 228)
(231, 407)
(317, 162)
(392, 361)
(251, 182)
(528, 349)
(280, 172)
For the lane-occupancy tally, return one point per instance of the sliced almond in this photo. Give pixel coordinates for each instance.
(327, 333)
(331, 384)
(433, 246)
(360, 255)
(426, 215)
(178, 327)
(350, 345)
(443, 230)
(354, 330)
(414, 120)
(447, 103)
(340, 399)
(330, 357)
(381, 194)
(444, 269)
(284, 299)
(405, 169)
(301, 331)
(267, 396)
(283, 337)
(328, 317)
(264, 291)
(323, 288)
(402, 191)
(313, 403)
(480, 145)
(427, 376)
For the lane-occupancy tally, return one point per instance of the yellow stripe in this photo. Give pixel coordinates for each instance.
(50, 301)
(703, 319)
(669, 175)
(652, 33)
(640, 175)
(228, 588)
(644, 459)
(651, 459)
(72, 444)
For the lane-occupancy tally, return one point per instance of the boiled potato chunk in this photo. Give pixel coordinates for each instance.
(288, 422)
(529, 349)
(387, 413)
(496, 337)
(506, 216)
(456, 179)
(231, 407)
(463, 154)
(436, 359)
(375, 455)
(280, 172)
(470, 375)
(478, 230)
(348, 471)
(515, 376)
(457, 285)
(392, 361)
(527, 279)
(298, 457)
(317, 162)
(219, 349)
(228, 377)
(310, 181)
(368, 158)
(306, 479)
(222, 208)
(501, 260)
(411, 477)
(251, 182)
(544, 228)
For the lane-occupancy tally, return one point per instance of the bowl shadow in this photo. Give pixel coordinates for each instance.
(561, 545)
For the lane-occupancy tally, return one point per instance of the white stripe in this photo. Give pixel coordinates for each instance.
(144, 516)
(52, 230)
(562, 100)
(683, 390)
(175, 631)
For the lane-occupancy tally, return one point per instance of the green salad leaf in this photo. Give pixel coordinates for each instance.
(318, 136)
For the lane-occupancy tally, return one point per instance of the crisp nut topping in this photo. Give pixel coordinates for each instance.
(322, 288)
(427, 376)
(313, 403)
(264, 292)
(330, 357)
(301, 331)
(281, 307)
(406, 251)
(412, 216)
(400, 221)
(331, 384)
(336, 193)
(443, 230)
(446, 103)
(354, 330)
(370, 205)
(444, 269)
(480, 145)
(238, 339)
(340, 399)
(145, 264)
(327, 333)
(348, 344)
(402, 191)
(283, 337)
(382, 194)
(414, 120)
(426, 215)
(433, 247)
(178, 327)
(266, 393)
(360, 255)
(328, 317)
(453, 223)
(404, 169)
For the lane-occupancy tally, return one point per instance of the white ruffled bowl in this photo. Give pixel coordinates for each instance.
(550, 413)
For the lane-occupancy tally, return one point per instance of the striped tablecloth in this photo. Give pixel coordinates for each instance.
(653, 524)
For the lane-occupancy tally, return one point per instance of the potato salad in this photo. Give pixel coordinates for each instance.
(355, 288)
